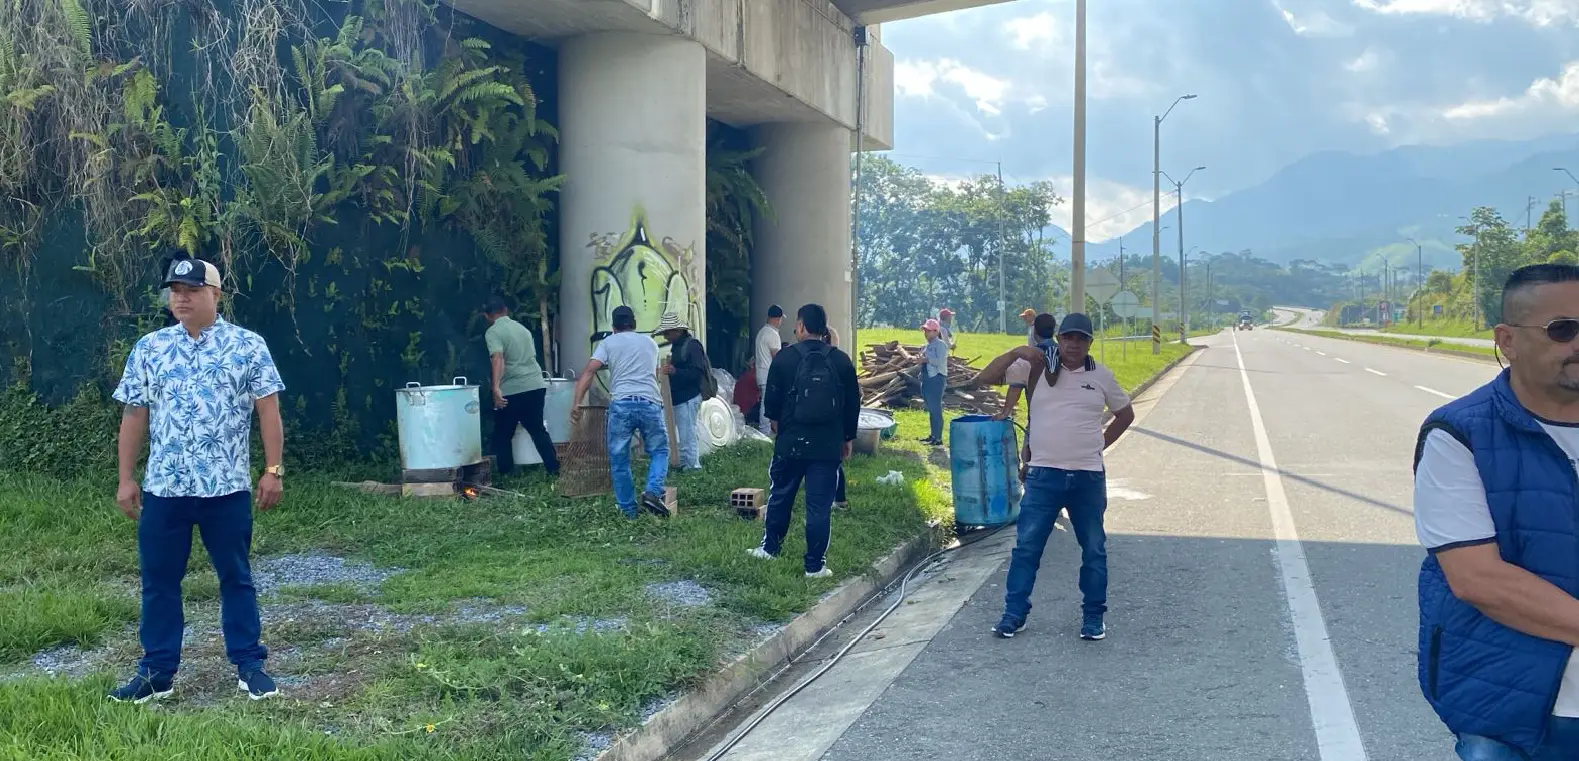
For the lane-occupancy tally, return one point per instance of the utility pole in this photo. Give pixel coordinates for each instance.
(1419, 284)
(1077, 236)
(1156, 215)
(1184, 314)
(1003, 243)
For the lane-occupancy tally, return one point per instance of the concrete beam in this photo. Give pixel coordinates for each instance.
(768, 60)
(884, 11)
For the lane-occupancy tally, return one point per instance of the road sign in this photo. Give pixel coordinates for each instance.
(1101, 285)
(1125, 304)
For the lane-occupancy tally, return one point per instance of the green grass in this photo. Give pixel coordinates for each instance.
(489, 691)
(1383, 339)
(1442, 328)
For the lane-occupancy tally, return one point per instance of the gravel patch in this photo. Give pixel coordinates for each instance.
(684, 593)
(485, 612)
(67, 661)
(269, 574)
(595, 744)
(583, 624)
(658, 704)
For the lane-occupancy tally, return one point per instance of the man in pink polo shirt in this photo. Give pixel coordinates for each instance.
(1068, 395)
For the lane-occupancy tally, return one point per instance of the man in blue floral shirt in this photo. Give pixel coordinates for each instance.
(190, 390)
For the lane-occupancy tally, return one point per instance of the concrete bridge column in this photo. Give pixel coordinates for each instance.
(633, 219)
(804, 254)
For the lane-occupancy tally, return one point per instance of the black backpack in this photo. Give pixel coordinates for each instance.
(817, 396)
(688, 350)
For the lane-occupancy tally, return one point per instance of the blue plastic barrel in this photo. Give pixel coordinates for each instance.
(984, 457)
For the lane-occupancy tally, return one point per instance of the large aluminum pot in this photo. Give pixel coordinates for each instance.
(440, 426)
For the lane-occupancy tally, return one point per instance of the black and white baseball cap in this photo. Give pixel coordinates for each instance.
(193, 272)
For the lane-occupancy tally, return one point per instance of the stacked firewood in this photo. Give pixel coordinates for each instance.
(891, 377)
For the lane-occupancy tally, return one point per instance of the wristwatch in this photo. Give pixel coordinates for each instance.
(278, 471)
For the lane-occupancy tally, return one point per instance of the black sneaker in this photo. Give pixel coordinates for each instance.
(142, 689)
(1008, 627)
(1091, 628)
(653, 503)
(257, 685)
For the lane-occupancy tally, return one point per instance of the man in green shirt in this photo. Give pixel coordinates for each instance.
(518, 388)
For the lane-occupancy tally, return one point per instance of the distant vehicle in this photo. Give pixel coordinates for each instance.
(1246, 321)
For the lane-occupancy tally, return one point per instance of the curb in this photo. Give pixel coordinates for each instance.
(1392, 345)
(698, 708)
(1141, 387)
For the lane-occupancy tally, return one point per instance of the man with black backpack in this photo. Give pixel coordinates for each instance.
(814, 403)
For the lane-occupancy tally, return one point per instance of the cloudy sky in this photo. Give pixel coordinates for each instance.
(1276, 79)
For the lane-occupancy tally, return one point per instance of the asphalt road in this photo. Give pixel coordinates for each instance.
(1224, 643)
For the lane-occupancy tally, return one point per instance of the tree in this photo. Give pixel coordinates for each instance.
(925, 244)
(1494, 252)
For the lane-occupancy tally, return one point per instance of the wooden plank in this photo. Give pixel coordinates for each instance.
(369, 487)
(668, 420)
(428, 490)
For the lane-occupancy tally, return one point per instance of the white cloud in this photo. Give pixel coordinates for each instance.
(1536, 12)
(920, 79)
(1112, 208)
(1312, 22)
(1364, 62)
(1038, 31)
(1546, 93)
(1378, 123)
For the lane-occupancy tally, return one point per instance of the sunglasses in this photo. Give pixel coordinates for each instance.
(1561, 330)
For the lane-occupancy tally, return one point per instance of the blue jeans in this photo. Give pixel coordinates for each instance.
(626, 417)
(786, 475)
(685, 429)
(164, 544)
(932, 387)
(1084, 494)
(1562, 742)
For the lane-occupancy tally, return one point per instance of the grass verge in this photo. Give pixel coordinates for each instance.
(1440, 328)
(1430, 345)
(530, 627)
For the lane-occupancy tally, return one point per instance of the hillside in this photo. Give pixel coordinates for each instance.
(1351, 209)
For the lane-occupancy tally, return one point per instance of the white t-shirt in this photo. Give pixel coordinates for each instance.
(1066, 419)
(632, 361)
(1450, 508)
(768, 342)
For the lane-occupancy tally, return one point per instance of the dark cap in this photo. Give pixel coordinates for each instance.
(775, 312)
(624, 318)
(1076, 323)
(1045, 326)
(193, 272)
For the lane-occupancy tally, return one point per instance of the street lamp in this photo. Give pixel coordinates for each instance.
(1184, 320)
(1077, 241)
(1419, 283)
(1156, 220)
(1565, 193)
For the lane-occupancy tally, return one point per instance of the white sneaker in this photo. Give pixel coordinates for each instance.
(759, 553)
(822, 574)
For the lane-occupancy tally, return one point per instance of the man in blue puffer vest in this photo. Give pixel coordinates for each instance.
(1497, 505)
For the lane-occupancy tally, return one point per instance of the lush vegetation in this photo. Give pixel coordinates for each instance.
(1469, 300)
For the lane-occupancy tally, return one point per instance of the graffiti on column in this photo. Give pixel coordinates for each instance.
(650, 278)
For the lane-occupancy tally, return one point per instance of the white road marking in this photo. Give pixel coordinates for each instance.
(1341, 359)
(1322, 353)
(1306, 348)
(1434, 391)
(1331, 714)
(1377, 372)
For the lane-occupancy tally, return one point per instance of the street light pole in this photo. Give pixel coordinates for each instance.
(1419, 284)
(1077, 237)
(1003, 297)
(1184, 315)
(1156, 209)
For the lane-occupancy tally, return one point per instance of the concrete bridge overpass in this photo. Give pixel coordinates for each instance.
(638, 80)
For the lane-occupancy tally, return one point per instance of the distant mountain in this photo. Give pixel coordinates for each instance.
(1352, 209)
